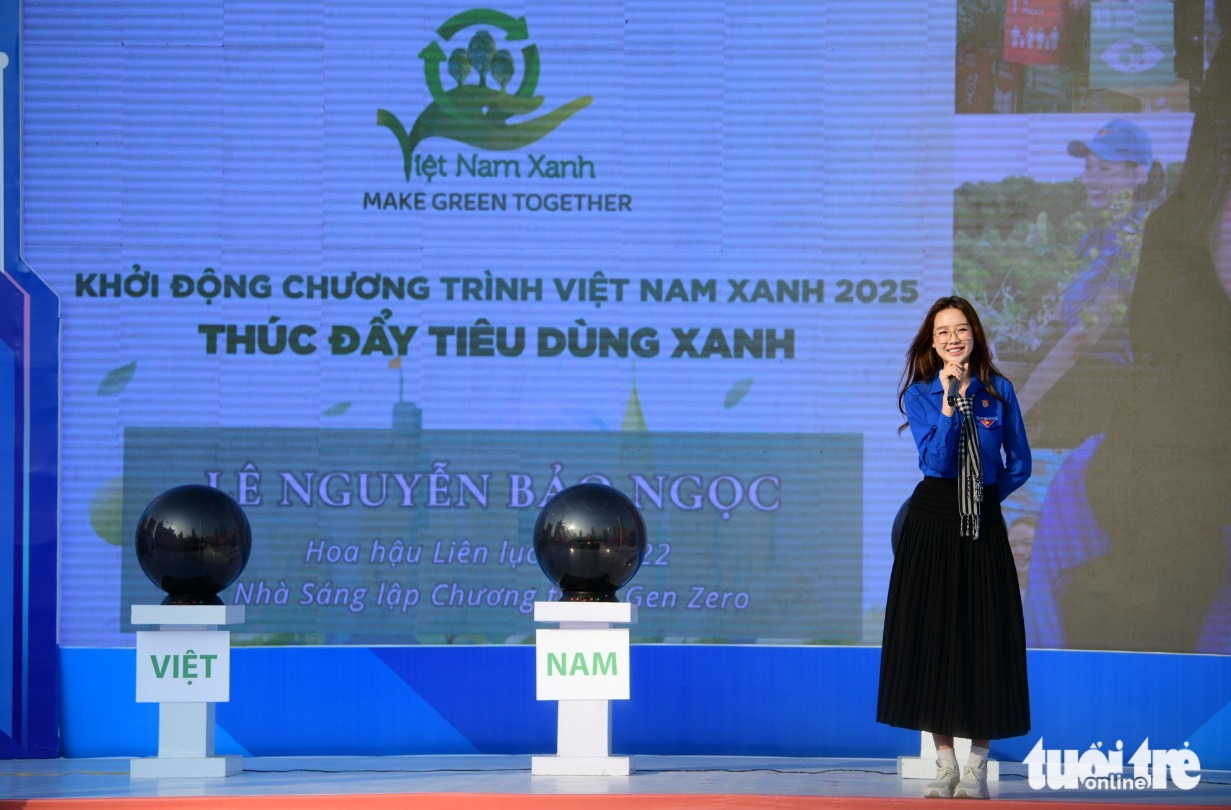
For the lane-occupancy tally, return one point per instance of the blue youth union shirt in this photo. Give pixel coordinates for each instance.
(999, 423)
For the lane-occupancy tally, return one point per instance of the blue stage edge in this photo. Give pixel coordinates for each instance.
(703, 700)
(29, 452)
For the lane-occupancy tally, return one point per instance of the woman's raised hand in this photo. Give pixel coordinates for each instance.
(952, 371)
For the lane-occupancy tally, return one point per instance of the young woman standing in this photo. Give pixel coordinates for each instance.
(953, 658)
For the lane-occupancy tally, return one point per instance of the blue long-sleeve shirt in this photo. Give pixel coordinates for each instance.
(999, 423)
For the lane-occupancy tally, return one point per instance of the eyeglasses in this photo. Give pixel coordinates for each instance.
(961, 333)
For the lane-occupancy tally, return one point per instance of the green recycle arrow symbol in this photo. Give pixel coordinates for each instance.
(530, 79)
(432, 56)
(514, 29)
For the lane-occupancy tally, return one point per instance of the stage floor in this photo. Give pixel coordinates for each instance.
(500, 782)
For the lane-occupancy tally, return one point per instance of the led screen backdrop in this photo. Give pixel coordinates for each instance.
(393, 274)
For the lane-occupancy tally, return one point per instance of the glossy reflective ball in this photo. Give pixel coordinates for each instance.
(590, 540)
(193, 541)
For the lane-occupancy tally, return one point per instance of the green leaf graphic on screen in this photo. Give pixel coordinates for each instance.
(117, 379)
(337, 410)
(475, 114)
(737, 393)
(106, 510)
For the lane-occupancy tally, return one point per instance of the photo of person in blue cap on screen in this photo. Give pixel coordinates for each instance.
(1124, 183)
(1137, 520)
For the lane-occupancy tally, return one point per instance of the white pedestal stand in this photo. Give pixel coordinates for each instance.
(924, 765)
(583, 665)
(194, 674)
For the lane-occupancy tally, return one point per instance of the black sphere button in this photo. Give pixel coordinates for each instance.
(590, 540)
(192, 542)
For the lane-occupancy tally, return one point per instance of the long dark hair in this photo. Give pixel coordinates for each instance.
(922, 363)
(1153, 187)
(1206, 178)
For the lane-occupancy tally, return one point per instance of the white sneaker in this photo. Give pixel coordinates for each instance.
(973, 784)
(942, 786)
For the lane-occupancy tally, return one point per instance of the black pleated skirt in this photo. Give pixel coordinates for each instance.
(953, 655)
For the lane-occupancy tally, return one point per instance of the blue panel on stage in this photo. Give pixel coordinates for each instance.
(686, 699)
(1213, 739)
(225, 744)
(1079, 698)
(482, 691)
(321, 700)
(756, 701)
(98, 702)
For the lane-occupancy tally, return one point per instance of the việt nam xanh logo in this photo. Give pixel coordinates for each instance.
(472, 112)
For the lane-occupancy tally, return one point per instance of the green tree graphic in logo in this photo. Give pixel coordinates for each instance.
(476, 114)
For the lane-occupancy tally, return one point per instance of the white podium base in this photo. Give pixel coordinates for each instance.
(583, 721)
(920, 768)
(581, 766)
(924, 765)
(157, 767)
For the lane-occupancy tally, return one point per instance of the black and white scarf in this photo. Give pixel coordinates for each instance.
(970, 469)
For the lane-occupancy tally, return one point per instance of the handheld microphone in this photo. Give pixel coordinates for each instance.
(954, 385)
